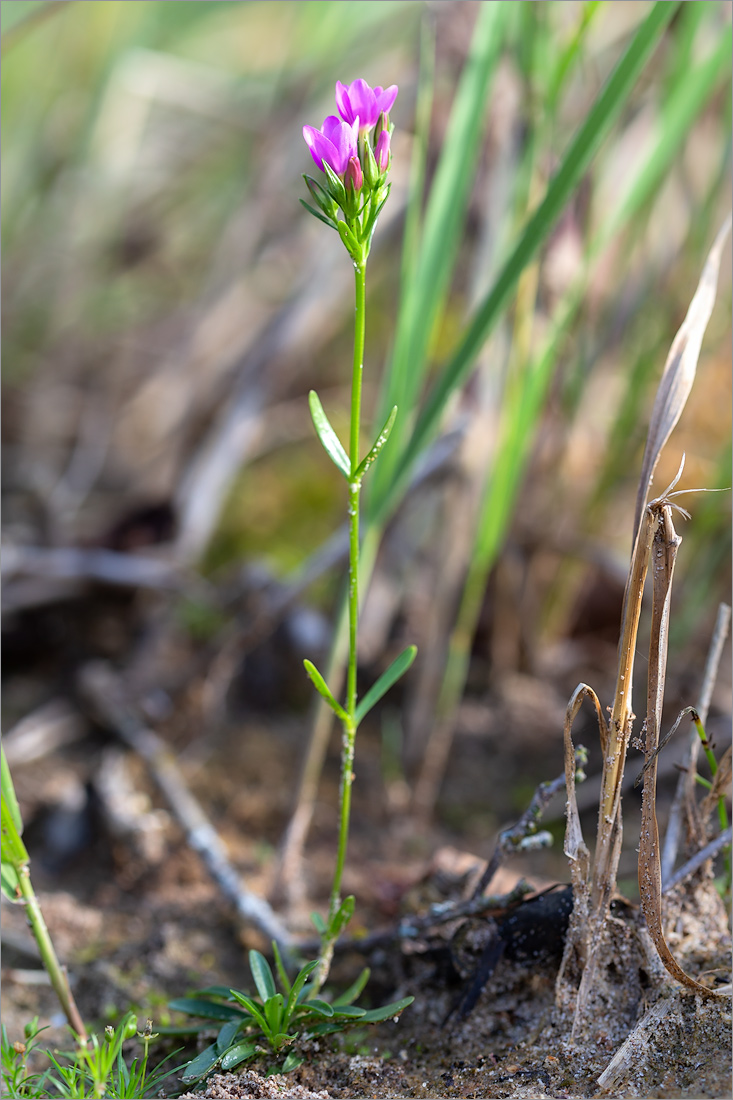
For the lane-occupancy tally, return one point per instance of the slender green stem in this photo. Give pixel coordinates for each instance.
(48, 955)
(349, 726)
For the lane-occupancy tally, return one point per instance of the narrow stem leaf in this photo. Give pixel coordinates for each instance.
(389, 677)
(378, 444)
(331, 442)
(323, 689)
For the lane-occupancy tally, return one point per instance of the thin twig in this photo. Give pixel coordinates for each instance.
(509, 840)
(105, 692)
(698, 859)
(674, 824)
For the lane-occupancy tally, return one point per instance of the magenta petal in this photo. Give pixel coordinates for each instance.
(343, 103)
(386, 98)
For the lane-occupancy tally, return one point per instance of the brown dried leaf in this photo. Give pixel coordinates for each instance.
(664, 552)
(679, 370)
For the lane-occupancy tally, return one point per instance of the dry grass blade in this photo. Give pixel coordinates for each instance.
(575, 847)
(664, 553)
(679, 370)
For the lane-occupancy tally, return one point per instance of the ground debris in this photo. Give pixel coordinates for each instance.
(251, 1086)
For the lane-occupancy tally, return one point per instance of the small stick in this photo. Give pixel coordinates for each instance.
(698, 859)
(104, 691)
(510, 839)
(674, 825)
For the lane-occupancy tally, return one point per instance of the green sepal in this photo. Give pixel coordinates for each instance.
(351, 244)
(389, 677)
(370, 167)
(321, 197)
(237, 1054)
(323, 689)
(336, 187)
(378, 444)
(330, 441)
(342, 916)
(262, 975)
(316, 214)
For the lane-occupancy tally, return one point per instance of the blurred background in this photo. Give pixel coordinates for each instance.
(168, 510)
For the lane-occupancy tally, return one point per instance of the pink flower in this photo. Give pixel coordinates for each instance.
(334, 144)
(381, 152)
(362, 103)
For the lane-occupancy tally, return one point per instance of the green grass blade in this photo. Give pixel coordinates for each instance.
(598, 122)
(441, 235)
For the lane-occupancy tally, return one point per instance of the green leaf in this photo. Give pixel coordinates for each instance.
(201, 1064)
(378, 444)
(274, 1007)
(389, 677)
(349, 1012)
(342, 916)
(298, 984)
(318, 923)
(323, 689)
(240, 1052)
(378, 1015)
(225, 1038)
(13, 849)
(354, 991)
(292, 1062)
(8, 793)
(321, 217)
(281, 971)
(321, 1008)
(252, 1008)
(262, 975)
(195, 1006)
(9, 882)
(331, 442)
(215, 991)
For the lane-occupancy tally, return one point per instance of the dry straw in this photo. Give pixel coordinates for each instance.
(594, 882)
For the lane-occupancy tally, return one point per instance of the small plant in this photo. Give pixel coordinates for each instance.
(94, 1070)
(353, 154)
(275, 1019)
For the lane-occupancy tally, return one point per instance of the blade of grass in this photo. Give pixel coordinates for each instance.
(429, 277)
(601, 117)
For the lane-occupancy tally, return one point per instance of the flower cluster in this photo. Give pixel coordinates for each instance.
(353, 153)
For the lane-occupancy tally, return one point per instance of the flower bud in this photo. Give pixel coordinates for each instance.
(354, 176)
(371, 172)
(382, 124)
(382, 152)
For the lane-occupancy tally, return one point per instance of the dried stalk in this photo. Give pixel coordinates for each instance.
(651, 522)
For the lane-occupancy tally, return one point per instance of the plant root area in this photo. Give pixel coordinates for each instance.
(138, 921)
